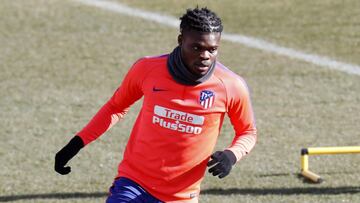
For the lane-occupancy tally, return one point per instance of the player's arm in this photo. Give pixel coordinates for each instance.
(115, 109)
(242, 118)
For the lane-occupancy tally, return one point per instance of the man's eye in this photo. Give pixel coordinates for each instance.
(213, 50)
(196, 48)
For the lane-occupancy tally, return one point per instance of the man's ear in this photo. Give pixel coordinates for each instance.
(180, 38)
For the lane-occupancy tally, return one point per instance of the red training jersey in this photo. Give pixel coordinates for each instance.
(177, 127)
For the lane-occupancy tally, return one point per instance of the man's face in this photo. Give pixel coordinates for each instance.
(199, 50)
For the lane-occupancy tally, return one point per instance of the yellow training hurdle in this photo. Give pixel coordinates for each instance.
(306, 152)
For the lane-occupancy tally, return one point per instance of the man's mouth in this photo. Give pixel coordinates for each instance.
(202, 68)
(202, 65)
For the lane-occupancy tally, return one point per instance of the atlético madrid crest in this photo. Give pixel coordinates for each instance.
(207, 98)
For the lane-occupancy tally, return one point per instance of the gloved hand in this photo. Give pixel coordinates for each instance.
(66, 153)
(224, 161)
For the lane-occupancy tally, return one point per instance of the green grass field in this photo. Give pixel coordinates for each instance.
(61, 60)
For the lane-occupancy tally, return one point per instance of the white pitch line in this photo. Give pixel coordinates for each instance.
(241, 39)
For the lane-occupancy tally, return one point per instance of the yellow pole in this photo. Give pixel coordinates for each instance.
(306, 152)
(312, 176)
(304, 162)
(333, 150)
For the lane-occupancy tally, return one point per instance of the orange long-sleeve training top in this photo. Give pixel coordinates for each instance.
(177, 127)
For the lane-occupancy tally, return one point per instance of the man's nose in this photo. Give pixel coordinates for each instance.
(205, 55)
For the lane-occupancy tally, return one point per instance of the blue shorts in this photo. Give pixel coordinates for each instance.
(125, 190)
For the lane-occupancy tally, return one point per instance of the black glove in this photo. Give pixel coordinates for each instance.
(224, 161)
(66, 153)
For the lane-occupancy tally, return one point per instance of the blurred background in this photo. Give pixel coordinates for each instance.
(60, 61)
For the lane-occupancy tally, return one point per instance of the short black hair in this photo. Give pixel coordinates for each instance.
(200, 19)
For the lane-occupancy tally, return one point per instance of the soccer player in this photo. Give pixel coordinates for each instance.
(186, 95)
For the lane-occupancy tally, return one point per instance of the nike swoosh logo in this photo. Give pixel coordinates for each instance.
(158, 89)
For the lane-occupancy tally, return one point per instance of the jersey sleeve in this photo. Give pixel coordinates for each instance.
(115, 109)
(242, 118)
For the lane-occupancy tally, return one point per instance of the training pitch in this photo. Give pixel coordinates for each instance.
(60, 61)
